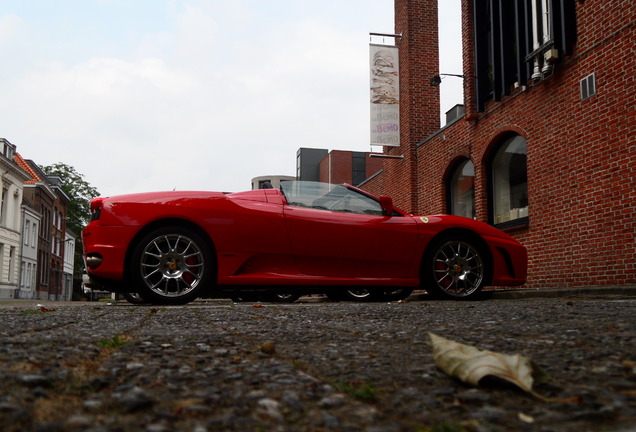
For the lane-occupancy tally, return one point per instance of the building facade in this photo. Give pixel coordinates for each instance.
(13, 178)
(28, 252)
(58, 243)
(269, 182)
(545, 149)
(69, 265)
(336, 166)
(45, 195)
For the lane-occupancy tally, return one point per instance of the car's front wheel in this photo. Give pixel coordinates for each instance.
(455, 268)
(172, 265)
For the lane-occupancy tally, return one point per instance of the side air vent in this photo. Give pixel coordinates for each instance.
(588, 86)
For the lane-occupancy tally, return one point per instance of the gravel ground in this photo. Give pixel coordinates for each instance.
(312, 366)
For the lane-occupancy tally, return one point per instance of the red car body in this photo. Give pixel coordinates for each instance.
(260, 239)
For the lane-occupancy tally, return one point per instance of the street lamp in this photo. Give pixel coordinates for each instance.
(437, 79)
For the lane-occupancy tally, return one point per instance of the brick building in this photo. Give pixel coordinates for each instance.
(44, 194)
(336, 166)
(546, 148)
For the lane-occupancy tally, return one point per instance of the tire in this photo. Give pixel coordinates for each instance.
(172, 266)
(133, 298)
(455, 268)
(335, 296)
(396, 294)
(360, 295)
(281, 297)
(371, 294)
(244, 297)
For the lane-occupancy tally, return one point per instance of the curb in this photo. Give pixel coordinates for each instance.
(561, 292)
(509, 294)
(519, 294)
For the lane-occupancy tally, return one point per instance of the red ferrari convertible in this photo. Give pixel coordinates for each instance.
(308, 237)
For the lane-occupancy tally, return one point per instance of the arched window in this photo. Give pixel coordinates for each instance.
(461, 190)
(510, 182)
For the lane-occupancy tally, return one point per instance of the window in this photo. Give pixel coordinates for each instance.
(516, 40)
(588, 87)
(3, 207)
(358, 168)
(8, 149)
(27, 229)
(509, 180)
(11, 264)
(265, 184)
(461, 190)
(324, 196)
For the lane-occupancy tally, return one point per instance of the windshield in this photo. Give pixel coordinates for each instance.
(325, 196)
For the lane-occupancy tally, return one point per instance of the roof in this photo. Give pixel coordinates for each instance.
(26, 167)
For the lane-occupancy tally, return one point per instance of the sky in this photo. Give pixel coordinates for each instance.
(148, 95)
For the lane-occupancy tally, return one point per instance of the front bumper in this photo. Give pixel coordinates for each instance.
(510, 262)
(110, 245)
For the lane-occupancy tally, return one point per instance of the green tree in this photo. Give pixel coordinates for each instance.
(78, 211)
(79, 191)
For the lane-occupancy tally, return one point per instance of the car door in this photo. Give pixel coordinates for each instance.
(336, 242)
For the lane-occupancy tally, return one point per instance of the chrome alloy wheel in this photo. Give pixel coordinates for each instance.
(359, 294)
(458, 268)
(171, 265)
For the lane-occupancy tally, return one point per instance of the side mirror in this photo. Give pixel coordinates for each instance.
(386, 203)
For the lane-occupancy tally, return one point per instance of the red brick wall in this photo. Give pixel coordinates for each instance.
(336, 167)
(416, 20)
(581, 154)
(375, 185)
(373, 165)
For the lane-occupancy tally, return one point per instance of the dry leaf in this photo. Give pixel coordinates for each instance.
(525, 418)
(470, 364)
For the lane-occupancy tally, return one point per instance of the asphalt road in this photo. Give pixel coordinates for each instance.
(314, 365)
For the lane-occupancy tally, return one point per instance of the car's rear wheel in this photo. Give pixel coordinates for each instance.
(172, 265)
(455, 268)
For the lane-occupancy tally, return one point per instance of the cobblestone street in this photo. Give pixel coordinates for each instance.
(312, 366)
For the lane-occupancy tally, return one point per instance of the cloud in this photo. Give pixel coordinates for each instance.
(219, 93)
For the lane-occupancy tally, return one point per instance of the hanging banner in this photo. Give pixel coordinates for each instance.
(385, 95)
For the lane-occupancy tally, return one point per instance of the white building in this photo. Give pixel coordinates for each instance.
(29, 252)
(13, 178)
(269, 182)
(69, 265)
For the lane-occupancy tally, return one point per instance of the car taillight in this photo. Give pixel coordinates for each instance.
(96, 208)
